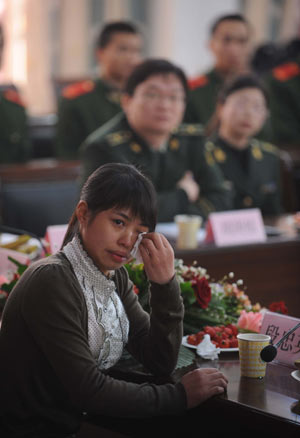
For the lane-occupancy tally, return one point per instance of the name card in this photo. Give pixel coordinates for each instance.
(235, 227)
(277, 325)
(54, 236)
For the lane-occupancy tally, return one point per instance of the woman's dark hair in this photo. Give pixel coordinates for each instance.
(152, 67)
(117, 185)
(238, 83)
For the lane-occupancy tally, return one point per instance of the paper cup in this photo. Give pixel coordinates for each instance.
(188, 226)
(250, 346)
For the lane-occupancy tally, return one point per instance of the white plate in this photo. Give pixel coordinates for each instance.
(296, 374)
(225, 350)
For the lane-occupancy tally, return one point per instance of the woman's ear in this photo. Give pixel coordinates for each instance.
(82, 212)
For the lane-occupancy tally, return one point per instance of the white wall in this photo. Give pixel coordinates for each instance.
(180, 30)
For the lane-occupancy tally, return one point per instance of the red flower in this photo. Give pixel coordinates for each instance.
(202, 291)
(279, 307)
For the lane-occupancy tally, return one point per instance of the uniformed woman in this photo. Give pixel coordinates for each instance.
(251, 167)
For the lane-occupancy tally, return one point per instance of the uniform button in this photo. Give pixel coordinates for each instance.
(248, 201)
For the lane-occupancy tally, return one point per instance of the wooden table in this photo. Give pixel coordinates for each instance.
(270, 405)
(270, 270)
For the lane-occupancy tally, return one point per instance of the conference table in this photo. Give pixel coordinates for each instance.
(269, 406)
(270, 270)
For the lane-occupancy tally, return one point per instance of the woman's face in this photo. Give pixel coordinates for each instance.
(109, 236)
(243, 113)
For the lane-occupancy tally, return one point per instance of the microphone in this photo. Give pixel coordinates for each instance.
(269, 352)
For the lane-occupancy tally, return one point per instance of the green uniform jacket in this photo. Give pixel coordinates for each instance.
(82, 108)
(117, 142)
(15, 146)
(202, 97)
(257, 183)
(283, 85)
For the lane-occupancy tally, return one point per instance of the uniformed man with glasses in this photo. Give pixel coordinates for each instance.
(150, 135)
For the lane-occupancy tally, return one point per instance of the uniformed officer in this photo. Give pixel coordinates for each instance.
(86, 105)
(283, 85)
(251, 167)
(150, 136)
(15, 145)
(230, 39)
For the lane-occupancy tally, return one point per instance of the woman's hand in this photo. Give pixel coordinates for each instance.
(158, 258)
(202, 384)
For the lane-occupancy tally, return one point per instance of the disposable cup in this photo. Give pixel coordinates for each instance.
(188, 226)
(250, 346)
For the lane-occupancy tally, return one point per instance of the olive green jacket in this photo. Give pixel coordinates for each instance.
(82, 108)
(256, 184)
(15, 146)
(283, 85)
(118, 142)
(202, 97)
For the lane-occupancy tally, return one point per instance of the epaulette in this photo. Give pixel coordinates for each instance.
(78, 89)
(189, 129)
(117, 138)
(269, 147)
(286, 71)
(13, 96)
(200, 81)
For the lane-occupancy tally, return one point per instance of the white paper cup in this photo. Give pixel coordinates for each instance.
(250, 346)
(188, 226)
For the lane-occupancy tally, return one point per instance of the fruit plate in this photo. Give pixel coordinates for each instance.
(224, 350)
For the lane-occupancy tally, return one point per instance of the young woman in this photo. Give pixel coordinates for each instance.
(71, 314)
(251, 167)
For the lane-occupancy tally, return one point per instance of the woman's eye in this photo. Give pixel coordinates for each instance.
(118, 222)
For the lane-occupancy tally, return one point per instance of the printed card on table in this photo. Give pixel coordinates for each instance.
(235, 227)
(54, 236)
(277, 325)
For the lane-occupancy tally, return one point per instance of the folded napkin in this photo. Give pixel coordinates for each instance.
(135, 253)
(207, 349)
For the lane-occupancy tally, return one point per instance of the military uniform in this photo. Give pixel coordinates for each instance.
(82, 108)
(118, 142)
(283, 84)
(202, 97)
(252, 174)
(15, 146)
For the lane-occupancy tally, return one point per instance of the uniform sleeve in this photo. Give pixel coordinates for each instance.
(155, 339)
(53, 310)
(272, 204)
(284, 113)
(69, 132)
(214, 195)
(94, 154)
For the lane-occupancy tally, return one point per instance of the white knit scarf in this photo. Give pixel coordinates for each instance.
(108, 325)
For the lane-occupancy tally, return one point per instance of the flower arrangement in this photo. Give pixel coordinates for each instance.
(206, 302)
(7, 284)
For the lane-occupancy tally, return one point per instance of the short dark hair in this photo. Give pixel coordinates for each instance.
(228, 17)
(112, 28)
(117, 185)
(242, 81)
(151, 67)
